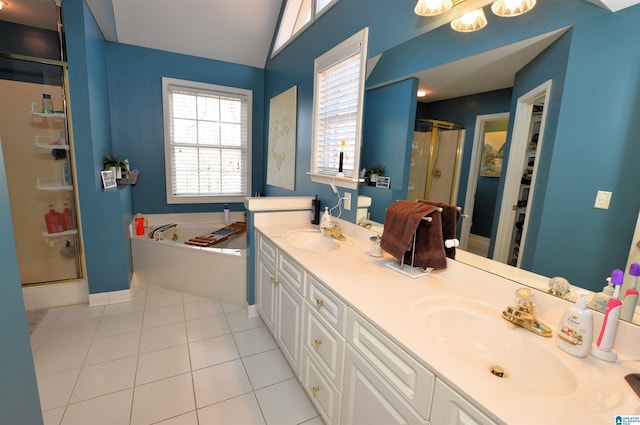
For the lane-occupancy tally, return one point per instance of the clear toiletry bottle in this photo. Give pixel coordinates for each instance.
(325, 221)
(575, 333)
(226, 214)
(47, 104)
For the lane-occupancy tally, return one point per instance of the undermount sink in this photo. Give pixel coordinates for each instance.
(311, 240)
(475, 334)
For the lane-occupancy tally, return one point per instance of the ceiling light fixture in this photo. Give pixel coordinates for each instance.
(422, 93)
(432, 7)
(470, 22)
(3, 4)
(510, 8)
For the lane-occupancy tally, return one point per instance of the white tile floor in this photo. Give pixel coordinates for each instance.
(165, 357)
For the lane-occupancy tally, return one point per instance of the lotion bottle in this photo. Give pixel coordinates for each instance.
(575, 333)
(325, 221)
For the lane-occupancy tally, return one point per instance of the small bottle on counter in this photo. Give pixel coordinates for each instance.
(575, 333)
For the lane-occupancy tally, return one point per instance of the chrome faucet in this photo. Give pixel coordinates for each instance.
(157, 233)
(524, 315)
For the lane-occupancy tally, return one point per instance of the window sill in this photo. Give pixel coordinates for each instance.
(345, 182)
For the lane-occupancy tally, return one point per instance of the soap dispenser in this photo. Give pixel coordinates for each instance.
(601, 299)
(575, 332)
(325, 221)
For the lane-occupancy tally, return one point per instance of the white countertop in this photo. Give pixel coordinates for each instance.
(389, 300)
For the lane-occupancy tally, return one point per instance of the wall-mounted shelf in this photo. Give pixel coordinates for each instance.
(51, 185)
(38, 113)
(51, 237)
(45, 142)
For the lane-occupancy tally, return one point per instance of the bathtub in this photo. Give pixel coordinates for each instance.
(219, 272)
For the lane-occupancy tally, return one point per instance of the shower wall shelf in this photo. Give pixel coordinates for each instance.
(45, 142)
(49, 185)
(36, 112)
(51, 237)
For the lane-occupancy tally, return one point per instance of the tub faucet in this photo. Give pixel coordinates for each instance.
(524, 315)
(156, 234)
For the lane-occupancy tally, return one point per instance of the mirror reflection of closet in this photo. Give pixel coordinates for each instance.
(435, 161)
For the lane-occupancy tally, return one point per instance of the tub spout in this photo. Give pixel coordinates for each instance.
(156, 234)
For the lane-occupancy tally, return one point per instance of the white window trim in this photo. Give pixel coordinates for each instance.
(337, 54)
(174, 199)
(314, 16)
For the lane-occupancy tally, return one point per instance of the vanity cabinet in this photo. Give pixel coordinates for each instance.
(450, 408)
(351, 370)
(324, 349)
(280, 285)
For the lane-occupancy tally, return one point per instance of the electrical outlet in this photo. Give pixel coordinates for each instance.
(347, 201)
(603, 199)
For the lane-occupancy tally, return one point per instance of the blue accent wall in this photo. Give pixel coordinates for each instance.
(104, 214)
(594, 140)
(387, 135)
(135, 93)
(19, 400)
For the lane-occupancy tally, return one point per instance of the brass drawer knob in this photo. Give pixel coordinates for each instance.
(315, 389)
(319, 303)
(274, 281)
(317, 343)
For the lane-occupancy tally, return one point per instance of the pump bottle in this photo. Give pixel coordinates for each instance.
(575, 332)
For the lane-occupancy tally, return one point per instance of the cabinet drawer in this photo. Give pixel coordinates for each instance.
(410, 379)
(291, 271)
(450, 408)
(322, 393)
(267, 249)
(327, 304)
(325, 345)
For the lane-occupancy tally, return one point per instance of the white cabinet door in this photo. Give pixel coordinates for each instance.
(368, 399)
(449, 408)
(266, 286)
(289, 324)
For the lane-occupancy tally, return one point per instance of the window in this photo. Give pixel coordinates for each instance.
(207, 134)
(297, 16)
(337, 111)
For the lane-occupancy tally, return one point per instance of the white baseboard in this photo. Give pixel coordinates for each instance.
(112, 297)
(55, 295)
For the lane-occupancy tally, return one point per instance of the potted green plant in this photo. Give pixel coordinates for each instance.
(374, 172)
(111, 162)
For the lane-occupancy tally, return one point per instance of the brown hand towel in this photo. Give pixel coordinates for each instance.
(401, 221)
(450, 214)
(430, 251)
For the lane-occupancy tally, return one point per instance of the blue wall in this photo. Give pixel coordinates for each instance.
(389, 112)
(135, 93)
(594, 140)
(104, 214)
(19, 401)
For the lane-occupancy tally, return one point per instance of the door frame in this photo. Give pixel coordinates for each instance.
(474, 173)
(513, 175)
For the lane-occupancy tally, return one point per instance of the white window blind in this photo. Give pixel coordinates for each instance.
(206, 142)
(338, 100)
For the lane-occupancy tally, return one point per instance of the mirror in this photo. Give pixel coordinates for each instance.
(567, 236)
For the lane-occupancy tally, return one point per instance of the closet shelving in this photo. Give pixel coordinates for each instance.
(522, 207)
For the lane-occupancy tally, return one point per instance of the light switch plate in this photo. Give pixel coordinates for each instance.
(347, 201)
(603, 199)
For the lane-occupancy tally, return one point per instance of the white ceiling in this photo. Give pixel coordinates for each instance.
(240, 31)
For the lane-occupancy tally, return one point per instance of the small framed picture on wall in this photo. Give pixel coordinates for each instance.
(108, 179)
(383, 182)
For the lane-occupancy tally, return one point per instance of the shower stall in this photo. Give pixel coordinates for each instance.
(435, 161)
(37, 146)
